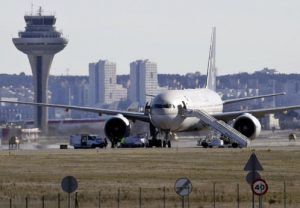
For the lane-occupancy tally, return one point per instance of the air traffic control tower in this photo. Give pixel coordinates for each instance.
(40, 41)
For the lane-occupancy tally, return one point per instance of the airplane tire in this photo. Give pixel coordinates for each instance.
(235, 145)
(204, 145)
(158, 143)
(169, 144)
(150, 143)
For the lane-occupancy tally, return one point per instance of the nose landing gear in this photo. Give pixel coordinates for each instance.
(167, 141)
(167, 144)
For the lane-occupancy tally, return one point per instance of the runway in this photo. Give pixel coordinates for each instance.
(267, 139)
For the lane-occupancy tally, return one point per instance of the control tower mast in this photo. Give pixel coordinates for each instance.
(40, 41)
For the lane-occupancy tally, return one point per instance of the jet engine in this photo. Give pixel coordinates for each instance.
(117, 127)
(248, 125)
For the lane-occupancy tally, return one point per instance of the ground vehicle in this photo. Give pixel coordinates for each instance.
(215, 142)
(134, 141)
(87, 141)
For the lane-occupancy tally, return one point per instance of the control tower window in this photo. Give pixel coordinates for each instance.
(48, 21)
(37, 21)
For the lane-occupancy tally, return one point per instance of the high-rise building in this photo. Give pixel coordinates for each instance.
(103, 87)
(40, 41)
(143, 81)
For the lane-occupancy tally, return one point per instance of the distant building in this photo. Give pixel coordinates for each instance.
(267, 71)
(103, 88)
(292, 89)
(12, 112)
(143, 81)
(270, 122)
(120, 93)
(82, 94)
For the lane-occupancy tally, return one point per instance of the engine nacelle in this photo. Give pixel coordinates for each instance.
(248, 125)
(117, 127)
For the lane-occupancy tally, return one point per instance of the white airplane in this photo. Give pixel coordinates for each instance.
(185, 110)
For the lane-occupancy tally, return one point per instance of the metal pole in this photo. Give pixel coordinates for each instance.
(140, 197)
(99, 199)
(69, 200)
(164, 197)
(188, 197)
(76, 200)
(26, 202)
(214, 194)
(188, 201)
(260, 201)
(238, 195)
(284, 194)
(118, 197)
(58, 200)
(10, 203)
(182, 201)
(253, 202)
(43, 201)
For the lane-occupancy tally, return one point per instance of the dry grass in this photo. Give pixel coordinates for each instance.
(37, 173)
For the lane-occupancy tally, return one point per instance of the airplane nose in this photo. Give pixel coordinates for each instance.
(164, 113)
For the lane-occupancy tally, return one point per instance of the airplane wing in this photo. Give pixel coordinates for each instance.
(128, 114)
(236, 100)
(226, 116)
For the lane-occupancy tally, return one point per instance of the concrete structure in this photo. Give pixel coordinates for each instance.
(292, 89)
(40, 41)
(270, 122)
(103, 87)
(120, 93)
(143, 81)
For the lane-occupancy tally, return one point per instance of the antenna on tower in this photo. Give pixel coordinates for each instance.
(31, 8)
(40, 11)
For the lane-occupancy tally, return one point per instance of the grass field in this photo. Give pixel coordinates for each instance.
(37, 173)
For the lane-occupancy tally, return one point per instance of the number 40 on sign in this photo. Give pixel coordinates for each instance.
(259, 187)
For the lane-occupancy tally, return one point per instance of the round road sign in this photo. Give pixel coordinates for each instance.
(69, 184)
(259, 187)
(183, 186)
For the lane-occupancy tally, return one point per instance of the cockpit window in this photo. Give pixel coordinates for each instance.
(164, 106)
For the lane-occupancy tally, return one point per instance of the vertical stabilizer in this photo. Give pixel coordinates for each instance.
(211, 67)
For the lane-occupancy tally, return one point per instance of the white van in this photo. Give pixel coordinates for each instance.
(87, 141)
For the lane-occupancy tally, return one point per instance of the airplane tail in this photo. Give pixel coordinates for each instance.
(211, 67)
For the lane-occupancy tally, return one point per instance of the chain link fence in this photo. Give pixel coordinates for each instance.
(204, 195)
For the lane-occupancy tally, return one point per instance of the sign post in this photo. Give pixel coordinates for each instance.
(69, 184)
(183, 187)
(259, 187)
(253, 165)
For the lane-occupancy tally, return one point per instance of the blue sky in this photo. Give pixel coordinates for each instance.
(251, 35)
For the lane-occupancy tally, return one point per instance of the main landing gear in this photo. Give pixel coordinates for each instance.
(114, 142)
(154, 142)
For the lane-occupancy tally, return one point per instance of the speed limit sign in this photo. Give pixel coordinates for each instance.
(259, 187)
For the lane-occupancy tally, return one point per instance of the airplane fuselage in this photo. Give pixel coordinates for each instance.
(166, 108)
